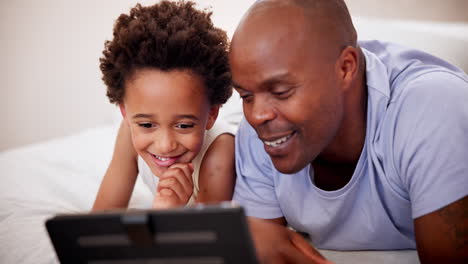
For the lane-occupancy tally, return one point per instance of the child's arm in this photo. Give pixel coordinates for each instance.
(119, 180)
(217, 172)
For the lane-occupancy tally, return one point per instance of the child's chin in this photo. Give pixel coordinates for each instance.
(159, 170)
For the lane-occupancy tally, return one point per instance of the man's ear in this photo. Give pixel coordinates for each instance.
(348, 66)
(212, 115)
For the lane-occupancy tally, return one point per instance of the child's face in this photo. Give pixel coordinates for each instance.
(168, 113)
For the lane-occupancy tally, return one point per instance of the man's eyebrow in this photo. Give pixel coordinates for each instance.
(276, 78)
(236, 86)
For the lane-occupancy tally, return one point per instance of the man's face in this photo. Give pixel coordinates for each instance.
(290, 89)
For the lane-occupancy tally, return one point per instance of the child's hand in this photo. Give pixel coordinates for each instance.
(175, 186)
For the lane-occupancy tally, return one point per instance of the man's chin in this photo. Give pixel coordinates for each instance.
(287, 166)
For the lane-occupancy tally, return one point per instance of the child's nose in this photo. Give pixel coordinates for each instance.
(165, 142)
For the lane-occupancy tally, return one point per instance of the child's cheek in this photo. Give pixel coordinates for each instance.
(141, 141)
(195, 142)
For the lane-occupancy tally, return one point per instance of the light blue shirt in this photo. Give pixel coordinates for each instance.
(414, 161)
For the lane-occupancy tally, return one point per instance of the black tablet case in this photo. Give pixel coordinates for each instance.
(213, 234)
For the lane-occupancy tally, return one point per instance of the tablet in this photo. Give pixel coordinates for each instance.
(203, 234)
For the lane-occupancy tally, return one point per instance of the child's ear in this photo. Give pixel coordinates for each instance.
(122, 111)
(212, 115)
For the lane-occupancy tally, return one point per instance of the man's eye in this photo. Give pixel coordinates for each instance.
(282, 94)
(145, 125)
(279, 93)
(246, 97)
(185, 126)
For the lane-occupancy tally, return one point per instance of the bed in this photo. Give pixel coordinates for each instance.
(63, 175)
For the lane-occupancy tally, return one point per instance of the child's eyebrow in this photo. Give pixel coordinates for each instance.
(183, 116)
(142, 116)
(187, 117)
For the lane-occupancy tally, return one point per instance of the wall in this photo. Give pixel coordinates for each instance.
(435, 10)
(50, 80)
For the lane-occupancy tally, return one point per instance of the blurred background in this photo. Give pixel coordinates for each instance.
(50, 79)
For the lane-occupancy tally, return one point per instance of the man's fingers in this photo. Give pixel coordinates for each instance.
(304, 246)
(275, 243)
(291, 254)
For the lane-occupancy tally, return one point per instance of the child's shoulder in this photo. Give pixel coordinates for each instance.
(219, 128)
(219, 143)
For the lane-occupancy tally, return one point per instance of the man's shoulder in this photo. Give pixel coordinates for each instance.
(404, 64)
(424, 115)
(422, 104)
(431, 89)
(406, 75)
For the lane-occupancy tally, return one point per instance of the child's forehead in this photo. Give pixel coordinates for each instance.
(176, 73)
(170, 88)
(158, 80)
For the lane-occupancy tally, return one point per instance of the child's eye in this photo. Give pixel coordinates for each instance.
(145, 125)
(185, 126)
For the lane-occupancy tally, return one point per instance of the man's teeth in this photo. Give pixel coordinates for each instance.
(161, 158)
(278, 141)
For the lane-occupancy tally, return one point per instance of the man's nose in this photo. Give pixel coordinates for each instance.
(165, 141)
(261, 112)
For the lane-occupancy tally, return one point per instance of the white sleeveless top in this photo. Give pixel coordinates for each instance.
(220, 127)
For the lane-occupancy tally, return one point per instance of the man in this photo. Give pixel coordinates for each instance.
(360, 145)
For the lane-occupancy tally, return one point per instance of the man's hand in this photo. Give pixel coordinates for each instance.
(275, 243)
(175, 186)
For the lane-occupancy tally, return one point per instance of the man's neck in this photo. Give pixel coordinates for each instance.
(331, 176)
(335, 165)
(347, 145)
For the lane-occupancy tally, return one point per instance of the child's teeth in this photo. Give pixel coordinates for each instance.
(161, 158)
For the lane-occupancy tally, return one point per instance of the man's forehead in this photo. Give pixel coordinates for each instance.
(305, 6)
(269, 8)
(269, 22)
(273, 35)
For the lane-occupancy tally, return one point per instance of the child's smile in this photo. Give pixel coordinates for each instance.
(166, 161)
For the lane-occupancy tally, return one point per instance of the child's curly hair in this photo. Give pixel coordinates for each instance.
(167, 36)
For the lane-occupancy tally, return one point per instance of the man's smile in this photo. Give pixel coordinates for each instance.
(275, 142)
(278, 145)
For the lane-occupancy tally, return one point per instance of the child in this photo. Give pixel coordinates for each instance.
(167, 69)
